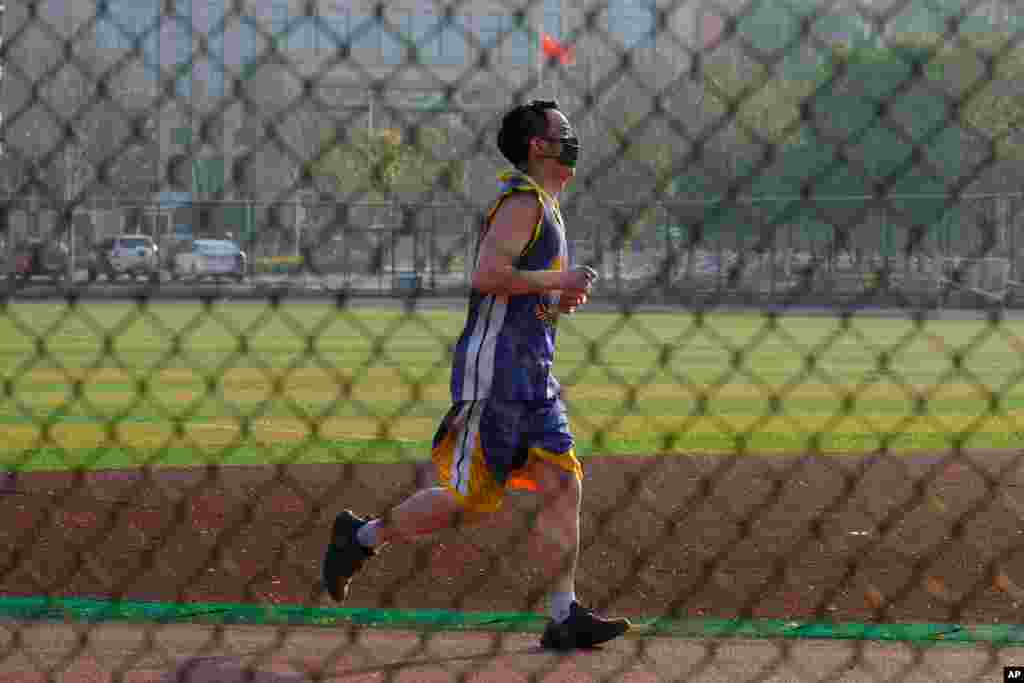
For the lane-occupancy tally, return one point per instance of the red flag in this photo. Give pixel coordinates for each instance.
(565, 54)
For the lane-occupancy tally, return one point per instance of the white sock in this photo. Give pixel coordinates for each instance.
(367, 533)
(561, 603)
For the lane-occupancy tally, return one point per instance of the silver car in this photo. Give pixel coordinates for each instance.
(209, 258)
(131, 255)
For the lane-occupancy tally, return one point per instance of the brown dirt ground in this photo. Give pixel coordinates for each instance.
(914, 538)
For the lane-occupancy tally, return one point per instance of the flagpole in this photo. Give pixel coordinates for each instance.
(537, 41)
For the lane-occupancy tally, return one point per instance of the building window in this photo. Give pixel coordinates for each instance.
(333, 26)
(488, 34)
(302, 33)
(209, 68)
(365, 31)
(182, 47)
(127, 25)
(396, 35)
(438, 40)
(453, 39)
(124, 25)
(279, 23)
(426, 34)
(503, 37)
(518, 43)
(166, 40)
(633, 22)
(553, 18)
(240, 43)
(442, 40)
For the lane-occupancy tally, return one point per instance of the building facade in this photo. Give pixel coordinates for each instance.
(207, 69)
(214, 70)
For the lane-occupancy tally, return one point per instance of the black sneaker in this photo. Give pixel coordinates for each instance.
(345, 555)
(582, 629)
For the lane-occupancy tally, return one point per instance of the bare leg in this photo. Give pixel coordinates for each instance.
(422, 513)
(557, 526)
(352, 538)
(557, 532)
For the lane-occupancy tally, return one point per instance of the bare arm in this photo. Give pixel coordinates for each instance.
(509, 233)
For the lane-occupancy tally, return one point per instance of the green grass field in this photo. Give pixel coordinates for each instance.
(112, 385)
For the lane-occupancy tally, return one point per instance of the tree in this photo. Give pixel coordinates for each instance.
(379, 164)
(428, 165)
(913, 113)
(775, 106)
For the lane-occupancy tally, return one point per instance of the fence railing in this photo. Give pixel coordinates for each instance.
(764, 246)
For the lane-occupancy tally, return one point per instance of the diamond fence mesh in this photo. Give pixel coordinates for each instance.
(239, 238)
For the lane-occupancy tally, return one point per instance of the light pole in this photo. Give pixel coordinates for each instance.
(5, 226)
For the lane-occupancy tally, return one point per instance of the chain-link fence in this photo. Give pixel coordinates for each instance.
(239, 239)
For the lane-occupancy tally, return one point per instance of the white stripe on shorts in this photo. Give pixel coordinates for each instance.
(462, 461)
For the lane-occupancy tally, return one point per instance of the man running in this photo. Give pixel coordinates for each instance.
(507, 426)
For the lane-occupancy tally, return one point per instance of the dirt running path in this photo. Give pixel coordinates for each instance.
(851, 538)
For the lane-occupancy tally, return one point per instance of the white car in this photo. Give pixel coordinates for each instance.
(196, 259)
(131, 255)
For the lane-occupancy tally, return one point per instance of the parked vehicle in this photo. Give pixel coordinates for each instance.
(209, 258)
(41, 258)
(131, 255)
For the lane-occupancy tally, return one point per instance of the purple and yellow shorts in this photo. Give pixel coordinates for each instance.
(484, 447)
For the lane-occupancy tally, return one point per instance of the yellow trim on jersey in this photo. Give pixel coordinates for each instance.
(556, 207)
(536, 229)
(505, 176)
(536, 232)
(543, 197)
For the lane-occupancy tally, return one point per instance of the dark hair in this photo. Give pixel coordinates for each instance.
(519, 125)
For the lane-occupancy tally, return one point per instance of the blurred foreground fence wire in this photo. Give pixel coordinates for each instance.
(806, 221)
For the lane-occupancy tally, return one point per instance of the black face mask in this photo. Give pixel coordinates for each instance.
(570, 151)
